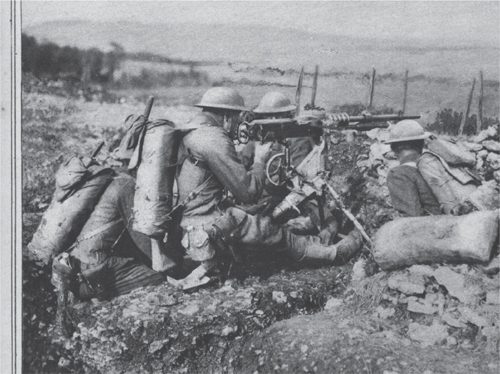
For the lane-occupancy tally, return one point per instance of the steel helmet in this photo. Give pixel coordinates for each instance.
(406, 130)
(222, 98)
(274, 102)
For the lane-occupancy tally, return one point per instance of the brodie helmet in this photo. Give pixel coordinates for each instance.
(222, 98)
(405, 131)
(274, 102)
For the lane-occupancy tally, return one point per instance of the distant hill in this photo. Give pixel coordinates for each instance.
(268, 46)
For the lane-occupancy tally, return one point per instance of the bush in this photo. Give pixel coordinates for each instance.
(448, 122)
(357, 108)
(150, 79)
(48, 60)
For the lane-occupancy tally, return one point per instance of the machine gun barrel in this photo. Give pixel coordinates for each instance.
(268, 130)
(368, 118)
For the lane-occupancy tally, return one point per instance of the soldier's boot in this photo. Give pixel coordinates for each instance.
(223, 233)
(302, 247)
(312, 247)
(349, 245)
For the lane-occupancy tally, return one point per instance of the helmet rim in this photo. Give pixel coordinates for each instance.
(222, 98)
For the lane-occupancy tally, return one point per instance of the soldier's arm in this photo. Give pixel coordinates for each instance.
(246, 186)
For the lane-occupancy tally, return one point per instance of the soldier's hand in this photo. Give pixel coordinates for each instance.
(262, 152)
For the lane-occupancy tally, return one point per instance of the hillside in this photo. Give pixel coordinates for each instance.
(268, 46)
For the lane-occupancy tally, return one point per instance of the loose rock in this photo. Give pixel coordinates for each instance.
(494, 160)
(409, 284)
(419, 307)
(427, 335)
(492, 145)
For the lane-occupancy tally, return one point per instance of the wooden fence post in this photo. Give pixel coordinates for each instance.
(464, 120)
(314, 87)
(405, 92)
(298, 93)
(480, 105)
(372, 88)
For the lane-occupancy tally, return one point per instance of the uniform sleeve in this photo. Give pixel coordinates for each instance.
(404, 194)
(247, 154)
(438, 179)
(299, 149)
(246, 186)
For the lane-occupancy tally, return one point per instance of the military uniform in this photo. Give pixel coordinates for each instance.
(410, 193)
(450, 185)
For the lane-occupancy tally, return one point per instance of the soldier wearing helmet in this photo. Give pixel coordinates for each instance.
(213, 163)
(410, 193)
(274, 104)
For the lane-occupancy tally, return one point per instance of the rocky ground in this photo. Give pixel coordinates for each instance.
(270, 314)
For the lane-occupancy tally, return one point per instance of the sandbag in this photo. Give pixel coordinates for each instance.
(156, 156)
(105, 225)
(62, 221)
(436, 239)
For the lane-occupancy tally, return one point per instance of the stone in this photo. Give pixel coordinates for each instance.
(358, 270)
(333, 303)
(450, 340)
(350, 135)
(427, 335)
(363, 164)
(409, 284)
(496, 176)
(228, 330)
(379, 134)
(475, 147)
(494, 160)
(279, 297)
(482, 154)
(492, 146)
(452, 321)
(190, 309)
(473, 317)
(490, 132)
(377, 152)
(421, 270)
(419, 307)
(384, 313)
(486, 196)
(157, 346)
(455, 284)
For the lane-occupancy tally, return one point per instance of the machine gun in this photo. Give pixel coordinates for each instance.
(279, 168)
(278, 130)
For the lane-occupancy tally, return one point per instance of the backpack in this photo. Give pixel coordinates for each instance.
(79, 185)
(455, 154)
(156, 157)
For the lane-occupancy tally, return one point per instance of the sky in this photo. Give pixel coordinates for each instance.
(459, 22)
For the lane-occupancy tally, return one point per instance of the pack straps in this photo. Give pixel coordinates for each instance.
(95, 232)
(193, 194)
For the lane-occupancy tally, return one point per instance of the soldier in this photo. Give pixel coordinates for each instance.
(276, 105)
(213, 162)
(410, 193)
